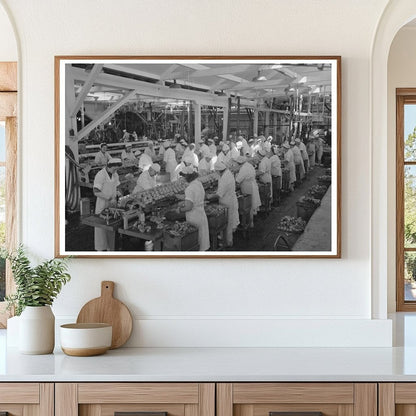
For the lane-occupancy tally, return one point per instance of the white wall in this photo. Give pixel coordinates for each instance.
(401, 74)
(203, 302)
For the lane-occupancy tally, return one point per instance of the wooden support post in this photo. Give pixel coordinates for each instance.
(266, 127)
(229, 119)
(197, 126)
(275, 125)
(225, 123)
(238, 116)
(256, 122)
(189, 122)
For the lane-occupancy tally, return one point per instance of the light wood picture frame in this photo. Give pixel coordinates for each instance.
(117, 116)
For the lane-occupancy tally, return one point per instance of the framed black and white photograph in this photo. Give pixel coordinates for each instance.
(198, 156)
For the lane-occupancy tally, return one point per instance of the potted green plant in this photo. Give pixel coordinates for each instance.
(36, 289)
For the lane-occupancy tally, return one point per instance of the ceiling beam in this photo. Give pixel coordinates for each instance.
(155, 90)
(104, 116)
(85, 89)
(224, 70)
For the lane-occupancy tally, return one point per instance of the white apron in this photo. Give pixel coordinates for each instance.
(102, 238)
(196, 216)
(226, 192)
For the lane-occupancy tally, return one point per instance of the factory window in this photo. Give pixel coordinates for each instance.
(8, 171)
(406, 200)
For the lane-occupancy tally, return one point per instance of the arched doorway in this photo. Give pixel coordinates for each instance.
(395, 16)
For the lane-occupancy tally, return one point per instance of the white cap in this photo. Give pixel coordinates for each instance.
(114, 161)
(220, 165)
(155, 167)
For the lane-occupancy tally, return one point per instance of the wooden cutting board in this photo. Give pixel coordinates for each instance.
(107, 309)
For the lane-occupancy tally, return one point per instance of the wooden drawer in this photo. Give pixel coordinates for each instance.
(332, 399)
(104, 399)
(397, 399)
(27, 399)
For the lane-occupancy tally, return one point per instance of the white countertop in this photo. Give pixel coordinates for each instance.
(222, 364)
(215, 364)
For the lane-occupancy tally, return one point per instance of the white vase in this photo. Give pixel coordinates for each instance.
(37, 330)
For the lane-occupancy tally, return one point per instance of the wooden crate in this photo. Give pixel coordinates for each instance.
(185, 243)
(305, 211)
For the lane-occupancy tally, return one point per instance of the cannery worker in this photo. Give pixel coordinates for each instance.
(276, 172)
(205, 164)
(264, 169)
(102, 157)
(235, 150)
(193, 206)
(227, 196)
(187, 161)
(170, 160)
(212, 147)
(147, 179)
(224, 155)
(291, 165)
(297, 158)
(311, 148)
(304, 153)
(180, 148)
(246, 177)
(105, 186)
(319, 150)
(190, 153)
(203, 148)
(145, 160)
(127, 155)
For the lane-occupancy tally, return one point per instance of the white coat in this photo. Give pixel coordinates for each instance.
(291, 165)
(275, 166)
(145, 161)
(246, 177)
(108, 186)
(228, 197)
(144, 182)
(195, 193)
(102, 158)
(170, 159)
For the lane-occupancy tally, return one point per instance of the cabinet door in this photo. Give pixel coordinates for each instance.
(297, 399)
(26, 399)
(142, 399)
(397, 399)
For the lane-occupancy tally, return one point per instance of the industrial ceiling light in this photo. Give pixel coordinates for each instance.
(175, 85)
(221, 93)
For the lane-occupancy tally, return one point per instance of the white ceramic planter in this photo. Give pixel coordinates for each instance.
(37, 330)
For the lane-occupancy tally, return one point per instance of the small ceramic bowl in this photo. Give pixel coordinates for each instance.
(84, 340)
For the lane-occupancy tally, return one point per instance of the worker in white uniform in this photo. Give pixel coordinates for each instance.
(127, 156)
(187, 161)
(147, 179)
(190, 152)
(193, 206)
(304, 153)
(311, 148)
(291, 165)
(145, 160)
(105, 186)
(235, 150)
(227, 196)
(203, 148)
(264, 170)
(319, 150)
(170, 160)
(205, 164)
(246, 177)
(224, 155)
(102, 157)
(212, 147)
(297, 158)
(126, 136)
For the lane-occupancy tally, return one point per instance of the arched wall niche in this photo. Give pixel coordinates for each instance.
(9, 41)
(396, 15)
